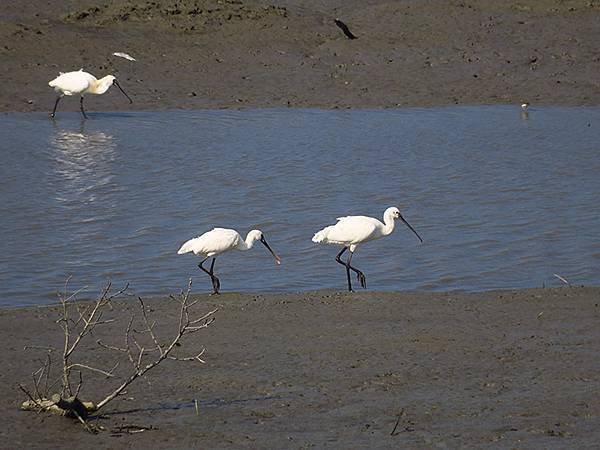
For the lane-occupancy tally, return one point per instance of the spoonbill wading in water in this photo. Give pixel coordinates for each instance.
(221, 240)
(81, 83)
(351, 231)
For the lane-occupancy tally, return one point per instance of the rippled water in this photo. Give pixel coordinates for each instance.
(501, 200)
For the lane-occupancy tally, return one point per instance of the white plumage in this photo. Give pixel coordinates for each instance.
(220, 240)
(213, 242)
(81, 83)
(350, 231)
(73, 83)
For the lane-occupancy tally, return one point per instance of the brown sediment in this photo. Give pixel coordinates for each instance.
(514, 369)
(367, 370)
(245, 53)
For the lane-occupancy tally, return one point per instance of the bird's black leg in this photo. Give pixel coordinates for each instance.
(338, 259)
(81, 106)
(55, 106)
(361, 276)
(214, 280)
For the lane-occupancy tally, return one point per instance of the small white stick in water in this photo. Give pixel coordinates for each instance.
(562, 279)
(124, 55)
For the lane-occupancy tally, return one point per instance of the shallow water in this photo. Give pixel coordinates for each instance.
(502, 200)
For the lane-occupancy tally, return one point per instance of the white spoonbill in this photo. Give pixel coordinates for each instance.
(81, 83)
(220, 240)
(351, 231)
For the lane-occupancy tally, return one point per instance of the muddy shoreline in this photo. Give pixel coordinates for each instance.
(327, 369)
(240, 54)
(510, 369)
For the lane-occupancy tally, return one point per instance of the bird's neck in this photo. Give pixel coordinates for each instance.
(388, 225)
(101, 85)
(247, 244)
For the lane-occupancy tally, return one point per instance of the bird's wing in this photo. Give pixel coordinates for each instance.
(354, 229)
(212, 242)
(358, 219)
(71, 82)
(219, 240)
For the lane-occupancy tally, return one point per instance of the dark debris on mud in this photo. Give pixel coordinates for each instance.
(184, 15)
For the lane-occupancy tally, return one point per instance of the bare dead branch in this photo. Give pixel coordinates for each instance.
(79, 385)
(190, 358)
(111, 347)
(36, 381)
(36, 402)
(75, 331)
(139, 360)
(39, 347)
(108, 374)
(186, 326)
(143, 347)
(148, 326)
(47, 365)
(84, 423)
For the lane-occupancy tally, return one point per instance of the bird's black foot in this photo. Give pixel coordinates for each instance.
(216, 286)
(362, 279)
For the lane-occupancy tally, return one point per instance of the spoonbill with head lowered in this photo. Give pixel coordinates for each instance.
(221, 240)
(351, 231)
(81, 83)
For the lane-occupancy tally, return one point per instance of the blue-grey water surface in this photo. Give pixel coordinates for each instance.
(501, 200)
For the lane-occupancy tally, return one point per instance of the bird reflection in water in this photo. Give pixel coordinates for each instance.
(84, 161)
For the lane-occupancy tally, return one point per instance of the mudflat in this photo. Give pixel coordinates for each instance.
(324, 369)
(245, 53)
(509, 369)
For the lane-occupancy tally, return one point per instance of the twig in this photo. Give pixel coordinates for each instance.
(131, 429)
(148, 326)
(190, 358)
(108, 373)
(79, 384)
(35, 401)
(47, 365)
(39, 347)
(111, 347)
(36, 382)
(393, 433)
(84, 423)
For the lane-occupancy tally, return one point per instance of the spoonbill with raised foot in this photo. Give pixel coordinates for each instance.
(81, 83)
(351, 231)
(221, 240)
